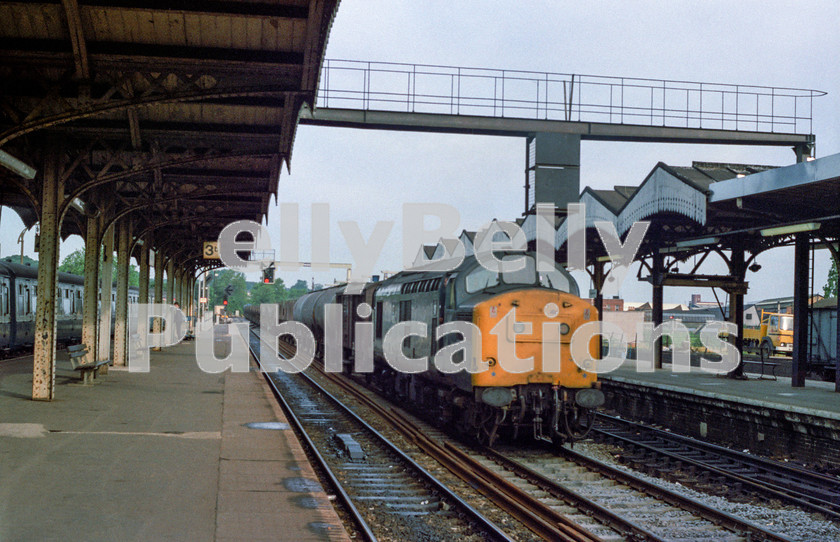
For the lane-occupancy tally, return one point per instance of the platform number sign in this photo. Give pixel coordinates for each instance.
(211, 250)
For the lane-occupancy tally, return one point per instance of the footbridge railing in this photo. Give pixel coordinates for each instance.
(450, 90)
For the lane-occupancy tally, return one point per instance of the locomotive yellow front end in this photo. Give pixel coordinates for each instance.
(532, 382)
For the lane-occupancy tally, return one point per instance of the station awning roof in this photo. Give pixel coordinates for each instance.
(804, 191)
(177, 113)
(692, 209)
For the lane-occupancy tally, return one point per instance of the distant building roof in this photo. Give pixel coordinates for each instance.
(670, 307)
(788, 299)
(825, 303)
(614, 199)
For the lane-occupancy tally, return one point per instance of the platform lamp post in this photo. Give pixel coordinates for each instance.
(834, 249)
(835, 257)
(657, 271)
(20, 242)
(800, 309)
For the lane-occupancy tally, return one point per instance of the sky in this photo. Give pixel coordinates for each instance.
(367, 175)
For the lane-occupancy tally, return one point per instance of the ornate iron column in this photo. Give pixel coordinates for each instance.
(105, 292)
(156, 326)
(90, 308)
(52, 194)
(121, 310)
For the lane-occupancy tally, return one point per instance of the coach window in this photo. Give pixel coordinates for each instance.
(4, 299)
(27, 301)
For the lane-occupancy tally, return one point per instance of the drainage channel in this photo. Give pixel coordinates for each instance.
(389, 495)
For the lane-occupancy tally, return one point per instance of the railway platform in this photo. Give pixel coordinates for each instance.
(764, 416)
(164, 455)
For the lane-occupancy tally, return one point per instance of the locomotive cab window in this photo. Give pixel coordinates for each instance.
(479, 279)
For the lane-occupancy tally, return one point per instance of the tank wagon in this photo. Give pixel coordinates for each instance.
(544, 405)
(823, 354)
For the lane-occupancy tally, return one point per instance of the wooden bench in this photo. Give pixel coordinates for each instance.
(764, 364)
(89, 371)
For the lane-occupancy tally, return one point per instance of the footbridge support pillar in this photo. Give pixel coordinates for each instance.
(552, 172)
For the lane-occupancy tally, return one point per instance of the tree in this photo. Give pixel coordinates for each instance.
(268, 293)
(830, 288)
(219, 280)
(26, 260)
(75, 263)
(301, 287)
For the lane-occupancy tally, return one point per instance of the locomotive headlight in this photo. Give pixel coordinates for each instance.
(491, 362)
(564, 329)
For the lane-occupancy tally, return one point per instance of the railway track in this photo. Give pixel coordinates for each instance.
(663, 453)
(386, 493)
(661, 513)
(566, 498)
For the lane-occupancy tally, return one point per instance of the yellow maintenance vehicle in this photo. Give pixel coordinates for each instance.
(773, 336)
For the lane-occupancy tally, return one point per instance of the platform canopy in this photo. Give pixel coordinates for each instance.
(179, 114)
(710, 206)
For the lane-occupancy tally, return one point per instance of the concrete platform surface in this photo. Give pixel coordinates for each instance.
(815, 398)
(164, 455)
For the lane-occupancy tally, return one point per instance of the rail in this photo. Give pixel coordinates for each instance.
(491, 531)
(451, 90)
(535, 515)
(804, 488)
(528, 509)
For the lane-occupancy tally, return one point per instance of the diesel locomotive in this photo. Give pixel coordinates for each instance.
(518, 394)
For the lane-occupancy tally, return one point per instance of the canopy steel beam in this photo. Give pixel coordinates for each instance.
(77, 38)
(52, 110)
